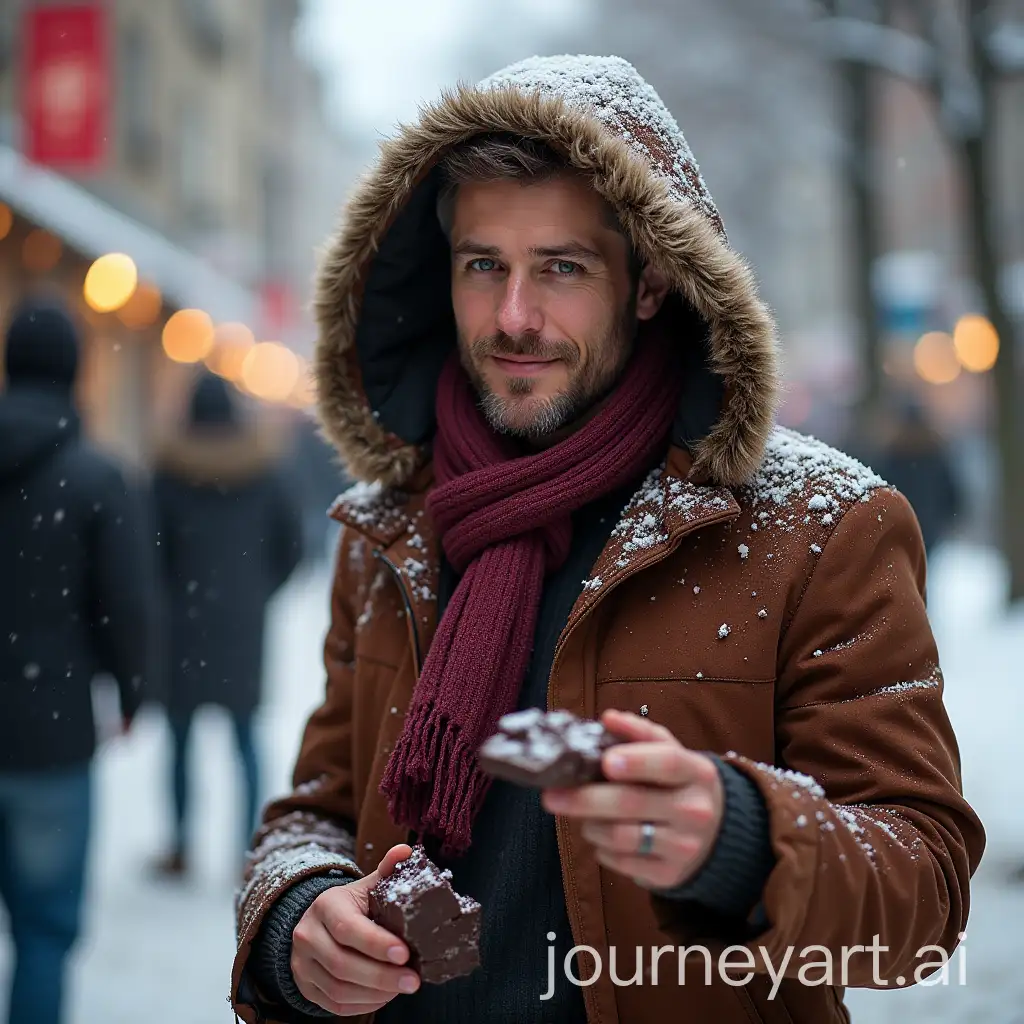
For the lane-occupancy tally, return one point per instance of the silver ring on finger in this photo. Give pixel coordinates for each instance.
(646, 847)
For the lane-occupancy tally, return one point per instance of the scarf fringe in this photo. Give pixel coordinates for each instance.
(433, 789)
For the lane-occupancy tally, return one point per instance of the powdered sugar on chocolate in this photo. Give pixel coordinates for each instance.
(416, 902)
(542, 749)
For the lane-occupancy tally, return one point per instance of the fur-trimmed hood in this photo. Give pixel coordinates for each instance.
(383, 294)
(225, 457)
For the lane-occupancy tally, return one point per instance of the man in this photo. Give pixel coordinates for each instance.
(538, 347)
(79, 597)
(230, 536)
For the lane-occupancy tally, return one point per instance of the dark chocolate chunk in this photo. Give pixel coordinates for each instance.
(552, 749)
(416, 902)
(461, 961)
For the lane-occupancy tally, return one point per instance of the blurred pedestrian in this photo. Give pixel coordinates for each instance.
(320, 478)
(230, 536)
(79, 596)
(914, 457)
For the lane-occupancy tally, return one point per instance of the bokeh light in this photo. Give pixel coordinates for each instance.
(270, 371)
(976, 343)
(6, 220)
(110, 282)
(231, 343)
(143, 308)
(935, 358)
(188, 336)
(41, 251)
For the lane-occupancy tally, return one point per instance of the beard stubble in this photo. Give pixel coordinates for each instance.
(590, 379)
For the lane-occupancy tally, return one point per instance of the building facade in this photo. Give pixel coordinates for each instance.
(219, 179)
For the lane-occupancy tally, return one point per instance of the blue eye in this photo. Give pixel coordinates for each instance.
(483, 264)
(564, 268)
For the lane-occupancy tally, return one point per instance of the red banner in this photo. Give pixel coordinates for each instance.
(278, 308)
(66, 85)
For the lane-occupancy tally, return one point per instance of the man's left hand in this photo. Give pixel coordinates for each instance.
(653, 778)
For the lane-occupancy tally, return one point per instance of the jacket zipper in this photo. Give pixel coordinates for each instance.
(670, 548)
(407, 602)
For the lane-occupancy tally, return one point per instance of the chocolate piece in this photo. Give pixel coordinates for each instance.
(416, 902)
(552, 749)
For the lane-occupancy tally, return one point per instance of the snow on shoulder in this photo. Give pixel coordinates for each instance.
(805, 477)
(368, 506)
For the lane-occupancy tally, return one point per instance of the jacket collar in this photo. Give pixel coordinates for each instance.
(668, 505)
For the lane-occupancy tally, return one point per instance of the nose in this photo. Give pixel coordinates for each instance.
(519, 311)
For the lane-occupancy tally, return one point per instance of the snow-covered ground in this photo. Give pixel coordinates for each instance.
(162, 953)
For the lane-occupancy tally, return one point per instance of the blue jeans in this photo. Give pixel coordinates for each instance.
(181, 726)
(44, 840)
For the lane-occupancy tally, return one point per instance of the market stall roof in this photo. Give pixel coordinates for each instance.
(93, 227)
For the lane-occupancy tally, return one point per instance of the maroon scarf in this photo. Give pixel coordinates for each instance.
(504, 522)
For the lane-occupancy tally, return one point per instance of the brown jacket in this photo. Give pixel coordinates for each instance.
(762, 596)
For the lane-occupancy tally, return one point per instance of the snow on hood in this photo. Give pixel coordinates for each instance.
(383, 297)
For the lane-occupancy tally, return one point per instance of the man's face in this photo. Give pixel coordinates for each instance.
(544, 304)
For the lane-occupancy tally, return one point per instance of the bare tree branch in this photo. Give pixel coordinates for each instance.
(1004, 46)
(878, 46)
(864, 10)
(961, 101)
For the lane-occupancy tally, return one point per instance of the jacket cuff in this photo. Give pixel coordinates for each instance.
(270, 957)
(732, 879)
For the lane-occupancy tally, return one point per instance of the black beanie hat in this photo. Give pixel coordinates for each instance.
(42, 346)
(211, 403)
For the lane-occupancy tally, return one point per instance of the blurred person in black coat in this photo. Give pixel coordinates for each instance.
(320, 478)
(230, 536)
(78, 597)
(915, 459)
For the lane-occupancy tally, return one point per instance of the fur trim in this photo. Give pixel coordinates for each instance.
(218, 456)
(672, 234)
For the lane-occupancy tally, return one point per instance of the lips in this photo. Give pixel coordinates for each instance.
(524, 366)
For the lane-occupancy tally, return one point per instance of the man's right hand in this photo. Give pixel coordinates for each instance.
(341, 960)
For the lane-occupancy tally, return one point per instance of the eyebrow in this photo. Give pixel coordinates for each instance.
(571, 250)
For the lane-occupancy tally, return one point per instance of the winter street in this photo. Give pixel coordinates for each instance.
(177, 970)
(611, 372)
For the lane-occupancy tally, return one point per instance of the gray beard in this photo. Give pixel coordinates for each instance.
(555, 413)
